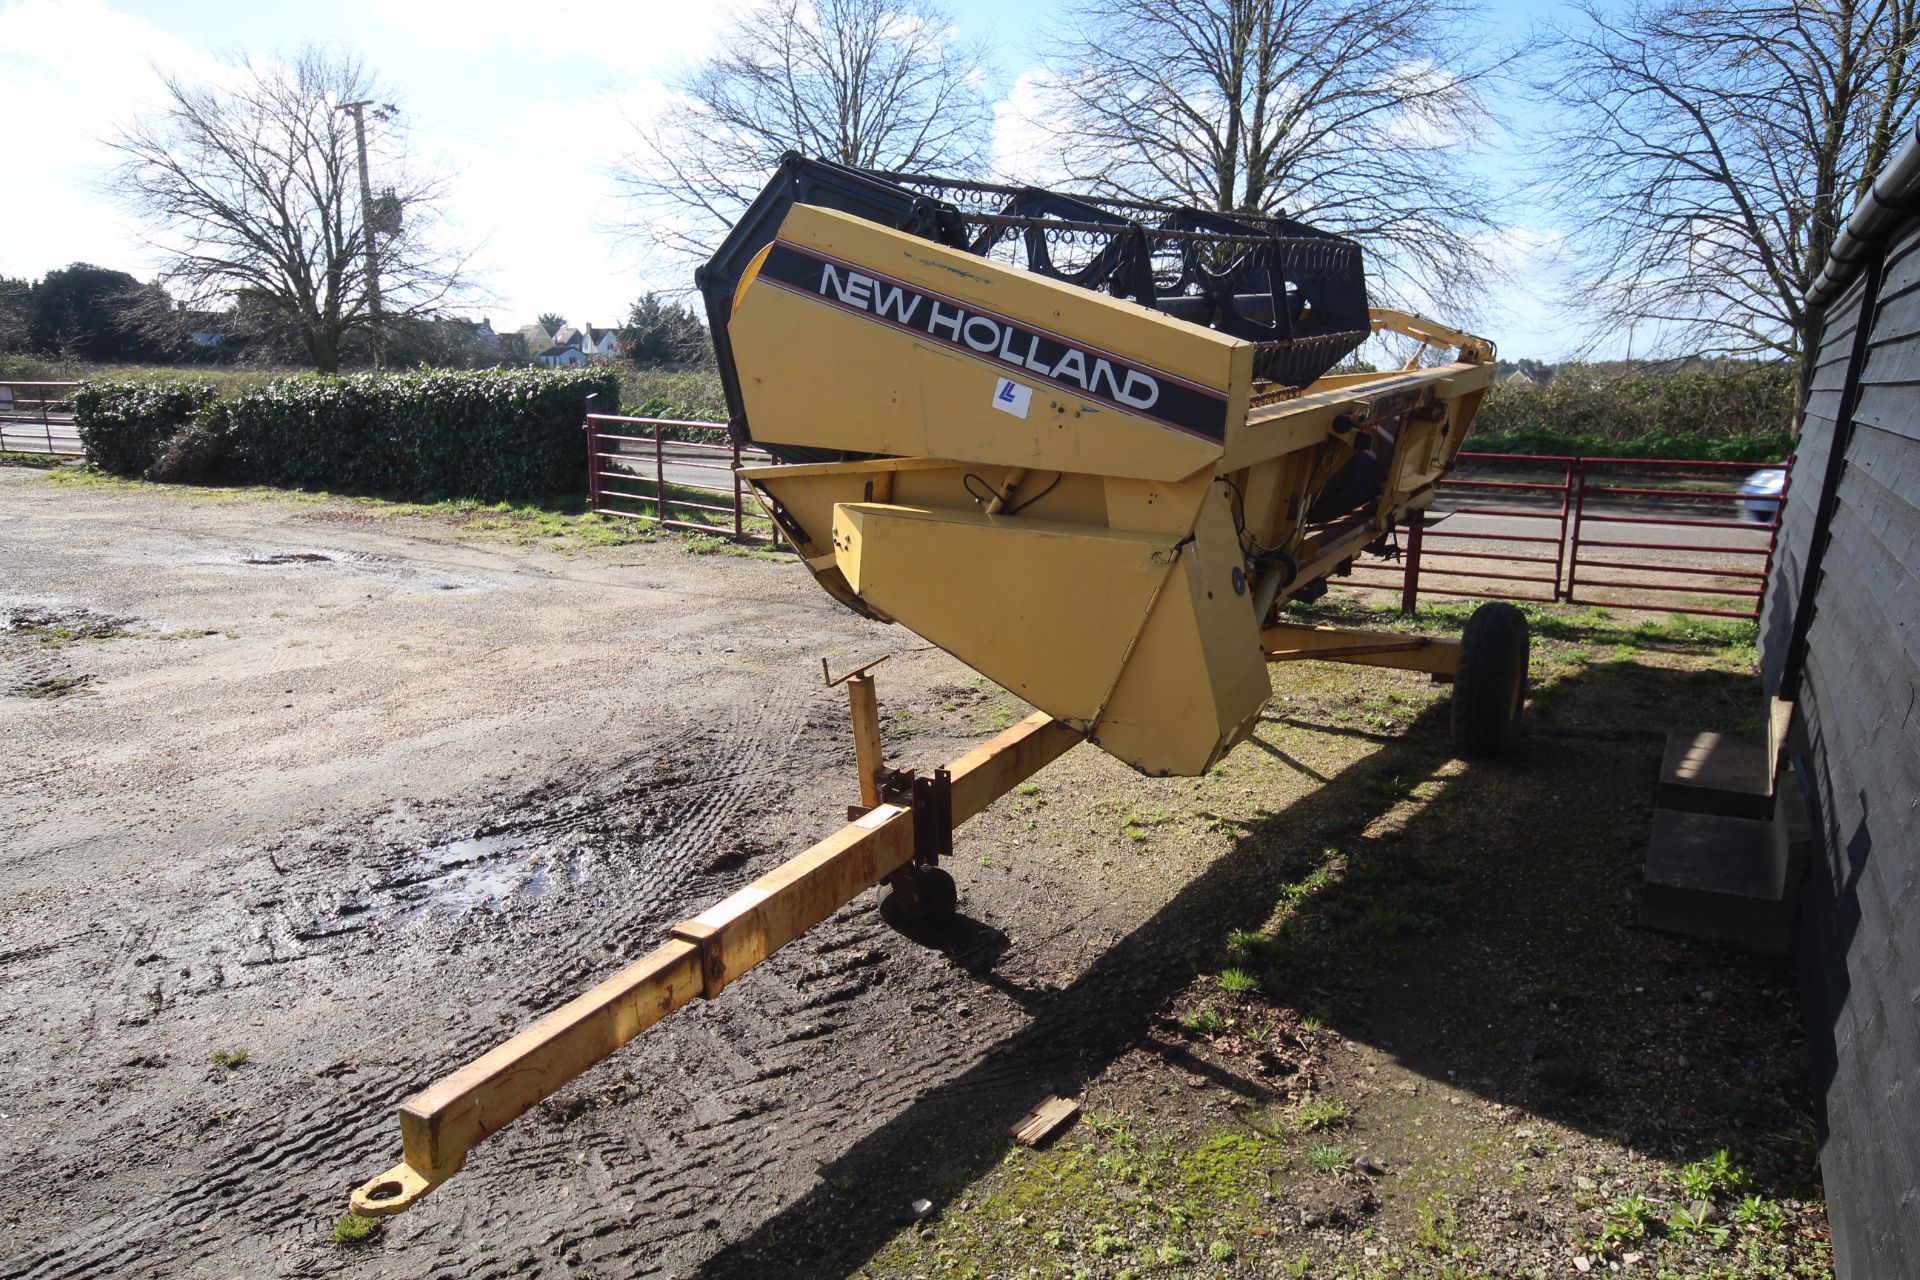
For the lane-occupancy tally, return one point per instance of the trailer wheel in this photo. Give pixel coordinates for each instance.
(1490, 687)
(917, 895)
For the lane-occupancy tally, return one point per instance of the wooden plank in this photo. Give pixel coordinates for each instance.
(863, 702)
(1044, 1121)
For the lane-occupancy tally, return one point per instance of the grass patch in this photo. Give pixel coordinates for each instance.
(1109, 1200)
(1205, 1022)
(36, 461)
(53, 632)
(1575, 624)
(1627, 1221)
(1457, 923)
(559, 524)
(1237, 981)
(1761, 1214)
(1319, 1115)
(1328, 1158)
(1715, 1176)
(354, 1228)
(1136, 824)
(1436, 1225)
(228, 1058)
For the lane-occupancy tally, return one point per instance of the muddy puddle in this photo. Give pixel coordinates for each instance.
(490, 873)
(38, 648)
(341, 560)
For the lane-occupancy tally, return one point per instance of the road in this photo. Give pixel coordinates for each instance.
(23, 433)
(1462, 548)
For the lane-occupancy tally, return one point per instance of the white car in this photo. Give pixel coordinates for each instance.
(1760, 494)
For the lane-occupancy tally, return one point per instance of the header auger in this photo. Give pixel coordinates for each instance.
(1089, 447)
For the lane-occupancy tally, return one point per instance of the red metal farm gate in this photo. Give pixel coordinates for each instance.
(677, 473)
(1661, 537)
(37, 417)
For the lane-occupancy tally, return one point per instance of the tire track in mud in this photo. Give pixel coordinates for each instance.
(740, 1107)
(670, 805)
(731, 1112)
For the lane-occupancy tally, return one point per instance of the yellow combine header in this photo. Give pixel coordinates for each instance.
(1087, 447)
(1093, 502)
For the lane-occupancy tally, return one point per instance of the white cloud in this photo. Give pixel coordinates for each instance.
(538, 190)
(71, 73)
(1027, 127)
(530, 188)
(1531, 315)
(634, 35)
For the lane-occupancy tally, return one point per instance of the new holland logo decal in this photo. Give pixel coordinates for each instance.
(1084, 371)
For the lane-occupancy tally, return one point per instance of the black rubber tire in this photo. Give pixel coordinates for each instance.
(1490, 688)
(916, 896)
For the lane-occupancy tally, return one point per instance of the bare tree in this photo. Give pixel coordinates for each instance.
(252, 190)
(16, 302)
(15, 297)
(1358, 116)
(881, 84)
(1711, 150)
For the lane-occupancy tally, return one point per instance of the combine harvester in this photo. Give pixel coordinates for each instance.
(1089, 447)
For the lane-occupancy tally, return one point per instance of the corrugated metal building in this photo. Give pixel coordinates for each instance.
(1839, 642)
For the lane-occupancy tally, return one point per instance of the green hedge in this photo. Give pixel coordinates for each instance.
(1645, 409)
(124, 425)
(1760, 446)
(694, 394)
(493, 435)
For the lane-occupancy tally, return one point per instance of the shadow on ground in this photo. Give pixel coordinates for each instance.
(1474, 920)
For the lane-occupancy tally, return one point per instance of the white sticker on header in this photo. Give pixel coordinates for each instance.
(1012, 397)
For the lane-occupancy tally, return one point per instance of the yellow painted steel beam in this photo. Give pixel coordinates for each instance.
(441, 1125)
(1292, 643)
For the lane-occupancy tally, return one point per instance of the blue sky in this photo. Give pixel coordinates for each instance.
(521, 103)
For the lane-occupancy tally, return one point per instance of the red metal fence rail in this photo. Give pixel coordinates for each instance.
(1547, 529)
(677, 473)
(37, 417)
(1651, 523)
(1718, 569)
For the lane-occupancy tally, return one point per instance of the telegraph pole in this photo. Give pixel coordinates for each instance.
(358, 111)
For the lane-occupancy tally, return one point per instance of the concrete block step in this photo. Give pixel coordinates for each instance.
(1717, 773)
(1727, 879)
